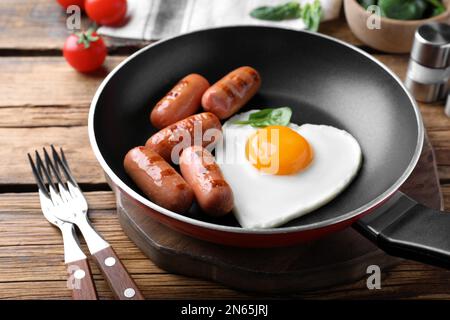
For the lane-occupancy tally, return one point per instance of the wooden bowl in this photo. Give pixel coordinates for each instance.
(395, 36)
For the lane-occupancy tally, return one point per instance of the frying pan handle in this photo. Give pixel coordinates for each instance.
(404, 228)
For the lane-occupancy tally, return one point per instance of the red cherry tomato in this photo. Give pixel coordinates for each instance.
(106, 12)
(66, 3)
(85, 51)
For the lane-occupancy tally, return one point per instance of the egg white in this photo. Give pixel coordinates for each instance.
(265, 201)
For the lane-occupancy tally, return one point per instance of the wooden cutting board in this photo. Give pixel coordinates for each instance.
(337, 259)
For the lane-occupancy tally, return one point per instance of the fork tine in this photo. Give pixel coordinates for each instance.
(42, 169)
(39, 180)
(53, 169)
(63, 156)
(61, 161)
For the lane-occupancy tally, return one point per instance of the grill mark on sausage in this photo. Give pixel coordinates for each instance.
(173, 94)
(218, 183)
(227, 90)
(181, 186)
(204, 115)
(210, 167)
(253, 74)
(241, 83)
(154, 159)
(167, 172)
(165, 140)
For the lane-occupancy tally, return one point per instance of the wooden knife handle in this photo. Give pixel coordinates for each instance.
(81, 281)
(115, 273)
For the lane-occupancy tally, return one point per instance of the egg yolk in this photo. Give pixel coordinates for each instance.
(278, 150)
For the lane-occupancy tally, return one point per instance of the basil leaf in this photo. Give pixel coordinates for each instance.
(268, 117)
(403, 9)
(407, 9)
(436, 3)
(290, 10)
(437, 7)
(261, 124)
(281, 116)
(260, 114)
(311, 15)
(437, 11)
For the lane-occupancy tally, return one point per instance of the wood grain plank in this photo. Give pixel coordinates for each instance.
(446, 194)
(31, 263)
(31, 24)
(423, 284)
(28, 117)
(41, 25)
(408, 280)
(444, 174)
(339, 29)
(48, 81)
(397, 63)
(17, 142)
(99, 200)
(434, 117)
(150, 287)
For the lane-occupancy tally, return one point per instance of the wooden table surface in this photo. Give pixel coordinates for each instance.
(42, 101)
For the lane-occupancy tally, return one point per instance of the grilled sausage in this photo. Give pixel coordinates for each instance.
(200, 171)
(229, 94)
(192, 129)
(182, 101)
(158, 180)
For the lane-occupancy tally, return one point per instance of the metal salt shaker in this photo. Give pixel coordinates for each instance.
(429, 65)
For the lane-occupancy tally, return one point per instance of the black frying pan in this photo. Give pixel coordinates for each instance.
(325, 81)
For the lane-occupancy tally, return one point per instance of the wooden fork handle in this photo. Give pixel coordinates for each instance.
(116, 275)
(81, 281)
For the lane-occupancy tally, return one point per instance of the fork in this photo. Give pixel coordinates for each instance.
(115, 273)
(80, 279)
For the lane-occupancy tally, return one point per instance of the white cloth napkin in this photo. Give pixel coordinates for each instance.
(158, 19)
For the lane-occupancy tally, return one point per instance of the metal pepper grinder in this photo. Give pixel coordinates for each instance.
(429, 65)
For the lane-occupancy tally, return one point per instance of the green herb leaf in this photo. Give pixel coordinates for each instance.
(438, 11)
(403, 9)
(269, 117)
(407, 9)
(263, 114)
(438, 7)
(311, 15)
(290, 10)
(86, 37)
(436, 3)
